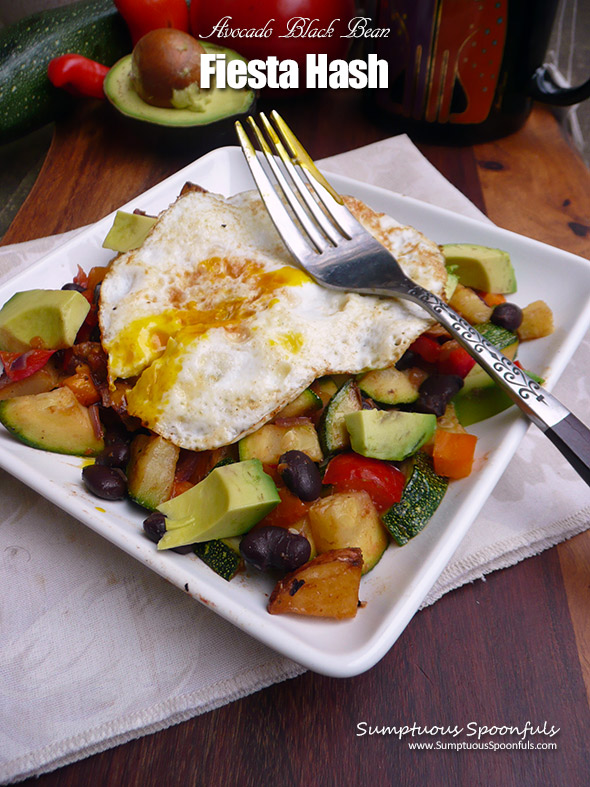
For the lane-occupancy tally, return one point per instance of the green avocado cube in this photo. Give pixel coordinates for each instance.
(227, 503)
(392, 435)
(480, 267)
(128, 232)
(43, 319)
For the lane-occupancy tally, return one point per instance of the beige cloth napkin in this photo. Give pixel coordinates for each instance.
(96, 650)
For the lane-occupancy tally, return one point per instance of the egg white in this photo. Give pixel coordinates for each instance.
(221, 329)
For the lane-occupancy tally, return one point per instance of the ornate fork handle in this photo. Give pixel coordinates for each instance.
(542, 408)
(564, 430)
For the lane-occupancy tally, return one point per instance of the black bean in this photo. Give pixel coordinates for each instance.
(275, 547)
(72, 285)
(96, 293)
(300, 475)
(436, 392)
(116, 454)
(154, 527)
(408, 359)
(109, 483)
(507, 315)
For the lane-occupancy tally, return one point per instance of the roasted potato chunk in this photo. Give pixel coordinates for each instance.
(326, 587)
(537, 321)
(470, 305)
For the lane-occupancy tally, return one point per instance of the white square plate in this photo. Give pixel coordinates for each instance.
(395, 588)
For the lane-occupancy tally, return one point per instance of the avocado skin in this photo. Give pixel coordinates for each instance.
(171, 129)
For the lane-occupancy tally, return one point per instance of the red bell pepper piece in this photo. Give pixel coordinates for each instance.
(17, 366)
(453, 359)
(352, 472)
(290, 510)
(427, 348)
(143, 16)
(78, 75)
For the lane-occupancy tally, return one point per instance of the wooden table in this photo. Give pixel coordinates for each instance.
(512, 649)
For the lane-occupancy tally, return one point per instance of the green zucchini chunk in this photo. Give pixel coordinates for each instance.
(150, 472)
(53, 421)
(422, 495)
(389, 386)
(220, 557)
(332, 430)
(307, 402)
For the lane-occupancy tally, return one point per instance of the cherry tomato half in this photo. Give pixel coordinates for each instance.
(351, 472)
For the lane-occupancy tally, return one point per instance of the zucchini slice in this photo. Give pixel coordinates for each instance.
(332, 427)
(150, 472)
(389, 386)
(307, 402)
(53, 421)
(422, 495)
(219, 556)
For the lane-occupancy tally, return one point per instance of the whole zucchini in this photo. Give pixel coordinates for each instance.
(28, 100)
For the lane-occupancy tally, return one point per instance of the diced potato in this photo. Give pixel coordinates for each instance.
(271, 441)
(43, 380)
(326, 587)
(470, 305)
(349, 519)
(537, 321)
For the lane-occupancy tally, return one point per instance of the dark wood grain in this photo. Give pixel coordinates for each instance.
(515, 648)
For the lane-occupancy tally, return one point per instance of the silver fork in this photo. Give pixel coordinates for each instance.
(337, 252)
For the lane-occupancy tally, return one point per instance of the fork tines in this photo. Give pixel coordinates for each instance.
(318, 219)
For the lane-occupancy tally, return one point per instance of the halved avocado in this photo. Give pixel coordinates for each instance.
(221, 106)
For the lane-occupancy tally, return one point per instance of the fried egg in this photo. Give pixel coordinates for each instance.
(219, 329)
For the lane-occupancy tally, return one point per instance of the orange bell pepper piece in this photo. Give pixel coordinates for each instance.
(492, 298)
(82, 386)
(453, 453)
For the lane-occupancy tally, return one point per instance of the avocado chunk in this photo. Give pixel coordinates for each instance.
(480, 403)
(216, 104)
(43, 319)
(228, 502)
(480, 267)
(476, 404)
(128, 232)
(389, 434)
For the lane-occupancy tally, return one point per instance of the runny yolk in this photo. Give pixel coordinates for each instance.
(229, 293)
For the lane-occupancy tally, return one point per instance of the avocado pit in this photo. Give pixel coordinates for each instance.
(166, 69)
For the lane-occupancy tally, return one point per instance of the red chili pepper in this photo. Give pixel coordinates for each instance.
(454, 359)
(17, 366)
(352, 472)
(427, 348)
(78, 75)
(143, 16)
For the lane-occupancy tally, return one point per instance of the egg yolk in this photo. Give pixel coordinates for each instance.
(228, 294)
